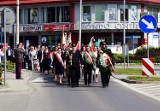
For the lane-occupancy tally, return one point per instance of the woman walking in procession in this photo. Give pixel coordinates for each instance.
(59, 65)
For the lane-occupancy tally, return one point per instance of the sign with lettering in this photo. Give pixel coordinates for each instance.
(54, 27)
(98, 26)
(31, 28)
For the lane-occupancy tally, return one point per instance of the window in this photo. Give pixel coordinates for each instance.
(122, 12)
(99, 12)
(51, 15)
(134, 13)
(21, 16)
(153, 11)
(33, 15)
(26, 16)
(43, 15)
(56, 14)
(86, 13)
(112, 12)
(66, 14)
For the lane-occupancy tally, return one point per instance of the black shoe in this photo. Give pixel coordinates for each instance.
(73, 86)
(107, 85)
(104, 86)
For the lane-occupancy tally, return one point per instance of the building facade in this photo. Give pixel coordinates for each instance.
(42, 22)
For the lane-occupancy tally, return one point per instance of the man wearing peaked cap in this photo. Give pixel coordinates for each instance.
(77, 62)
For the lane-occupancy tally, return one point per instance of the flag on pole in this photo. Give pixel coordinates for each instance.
(64, 37)
(91, 44)
(69, 40)
(78, 46)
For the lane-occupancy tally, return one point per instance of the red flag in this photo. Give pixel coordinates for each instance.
(78, 46)
(91, 44)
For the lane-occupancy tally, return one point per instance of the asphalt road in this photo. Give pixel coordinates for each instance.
(49, 96)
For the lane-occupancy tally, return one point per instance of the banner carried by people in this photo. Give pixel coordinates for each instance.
(91, 44)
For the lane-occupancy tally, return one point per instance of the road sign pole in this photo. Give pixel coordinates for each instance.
(147, 47)
(4, 46)
(147, 24)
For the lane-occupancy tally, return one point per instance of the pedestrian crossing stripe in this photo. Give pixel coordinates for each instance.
(39, 80)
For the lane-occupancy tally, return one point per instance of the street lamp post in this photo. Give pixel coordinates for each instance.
(80, 20)
(17, 22)
(124, 31)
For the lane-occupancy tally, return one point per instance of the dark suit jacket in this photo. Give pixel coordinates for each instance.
(8, 55)
(39, 55)
(77, 59)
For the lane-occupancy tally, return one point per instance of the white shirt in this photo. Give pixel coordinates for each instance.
(1, 54)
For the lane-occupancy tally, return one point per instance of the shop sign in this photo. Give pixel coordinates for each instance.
(55, 27)
(31, 28)
(95, 26)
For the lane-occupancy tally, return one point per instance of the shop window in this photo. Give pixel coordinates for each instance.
(51, 40)
(122, 13)
(112, 12)
(87, 13)
(134, 13)
(99, 12)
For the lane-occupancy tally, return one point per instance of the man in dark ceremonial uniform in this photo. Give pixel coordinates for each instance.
(77, 62)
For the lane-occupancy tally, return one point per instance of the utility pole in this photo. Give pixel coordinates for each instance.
(124, 31)
(17, 22)
(80, 20)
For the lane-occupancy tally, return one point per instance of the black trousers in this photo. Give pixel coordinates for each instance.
(18, 68)
(75, 76)
(105, 77)
(41, 66)
(68, 74)
(88, 73)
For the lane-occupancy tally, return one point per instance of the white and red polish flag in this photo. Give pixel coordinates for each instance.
(64, 37)
(69, 40)
(91, 44)
(78, 46)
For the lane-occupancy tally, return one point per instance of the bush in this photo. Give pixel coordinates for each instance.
(140, 53)
(9, 67)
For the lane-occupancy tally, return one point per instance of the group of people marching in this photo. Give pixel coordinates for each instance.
(70, 62)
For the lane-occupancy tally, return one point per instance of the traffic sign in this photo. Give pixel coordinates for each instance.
(9, 16)
(147, 23)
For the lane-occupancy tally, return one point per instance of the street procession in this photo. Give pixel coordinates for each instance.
(70, 61)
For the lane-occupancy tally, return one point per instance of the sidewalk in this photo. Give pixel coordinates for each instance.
(14, 85)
